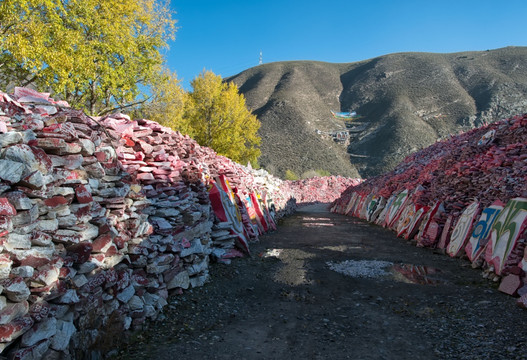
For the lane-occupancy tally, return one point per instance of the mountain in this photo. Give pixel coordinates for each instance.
(406, 101)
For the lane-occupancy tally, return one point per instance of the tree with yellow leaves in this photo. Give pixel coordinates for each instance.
(167, 103)
(94, 54)
(216, 116)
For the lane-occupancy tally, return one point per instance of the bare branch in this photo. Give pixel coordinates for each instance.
(121, 107)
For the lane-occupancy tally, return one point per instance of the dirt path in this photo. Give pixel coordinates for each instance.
(293, 306)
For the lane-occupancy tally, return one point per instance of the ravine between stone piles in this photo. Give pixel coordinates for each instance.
(286, 302)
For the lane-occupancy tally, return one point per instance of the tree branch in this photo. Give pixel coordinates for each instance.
(121, 107)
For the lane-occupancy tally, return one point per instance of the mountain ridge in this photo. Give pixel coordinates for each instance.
(407, 101)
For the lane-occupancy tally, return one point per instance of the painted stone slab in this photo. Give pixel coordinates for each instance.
(415, 221)
(506, 230)
(422, 237)
(372, 206)
(382, 216)
(356, 203)
(259, 213)
(251, 230)
(364, 209)
(444, 240)
(351, 203)
(223, 182)
(253, 215)
(250, 208)
(396, 208)
(268, 218)
(360, 203)
(375, 207)
(481, 233)
(462, 230)
(405, 219)
(225, 210)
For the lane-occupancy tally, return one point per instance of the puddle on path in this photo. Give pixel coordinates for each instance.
(408, 273)
(416, 274)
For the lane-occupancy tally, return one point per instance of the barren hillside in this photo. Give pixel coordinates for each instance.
(407, 101)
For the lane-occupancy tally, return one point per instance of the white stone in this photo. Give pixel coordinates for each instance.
(125, 295)
(150, 311)
(10, 138)
(67, 221)
(28, 135)
(88, 147)
(11, 171)
(63, 190)
(181, 280)
(17, 291)
(80, 280)
(40, 331)
(197, 281)
(18, 241)
(136, 303)
(19, 201)
(197, 268)
(195, 248)
(61, 340)
(23, 271)
(70, 297)
(87, 267)
(24, 154)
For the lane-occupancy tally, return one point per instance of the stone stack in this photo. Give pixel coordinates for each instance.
(324, 189)
(466, 195)
(100, 219)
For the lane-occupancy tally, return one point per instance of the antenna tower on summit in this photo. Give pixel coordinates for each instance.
(260, 62)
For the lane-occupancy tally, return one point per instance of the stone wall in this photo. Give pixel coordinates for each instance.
(101, 218)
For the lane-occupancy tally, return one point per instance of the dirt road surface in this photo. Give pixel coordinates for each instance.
(286, 302)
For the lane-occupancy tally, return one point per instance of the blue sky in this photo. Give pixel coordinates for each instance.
(226, 36)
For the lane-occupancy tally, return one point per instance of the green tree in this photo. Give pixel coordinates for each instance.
(95, 54)
(216, 116)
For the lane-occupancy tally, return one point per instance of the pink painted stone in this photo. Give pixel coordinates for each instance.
(510, 284)
(145, 176)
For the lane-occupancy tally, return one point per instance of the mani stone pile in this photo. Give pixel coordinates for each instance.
(101, 218)
(325, 189)
(466, 195)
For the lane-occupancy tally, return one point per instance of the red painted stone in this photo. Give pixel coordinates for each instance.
(6, 209)
(56, 201)
(102, 243)
(39, 310)
(83, 195)
(12, 311)
(80, 253)
(15, 328)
